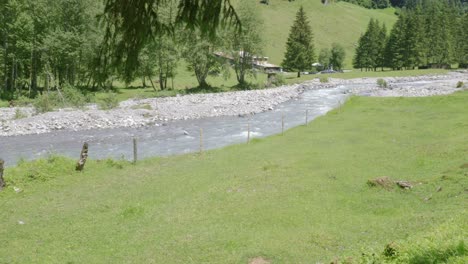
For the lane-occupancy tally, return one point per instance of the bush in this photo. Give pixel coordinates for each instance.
(276, 80)
(73, 97)
(109, 101)
(46, 102)
(382, 83)
(69, 96)
(460, 84)
(323, 79)
(19, 114)
(23, 101)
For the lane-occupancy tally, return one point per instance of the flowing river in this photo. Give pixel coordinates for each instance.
(176, 137)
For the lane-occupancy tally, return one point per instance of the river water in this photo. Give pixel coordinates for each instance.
(176, 137)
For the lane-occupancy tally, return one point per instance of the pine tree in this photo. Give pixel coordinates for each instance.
(439, 40)
(394, 51)
(463, 43)
(412, 41)
(300, 47)
(381, 44)
(358, 60)
(368, 52)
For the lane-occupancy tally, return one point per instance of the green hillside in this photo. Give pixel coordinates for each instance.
(341, 22)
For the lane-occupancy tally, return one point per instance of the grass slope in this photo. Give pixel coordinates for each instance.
(341, 23)
(297, 198)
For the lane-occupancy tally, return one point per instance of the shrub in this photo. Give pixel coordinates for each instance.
(46, 102)
(19, 114)
(109, 101)
(276, 80)
(73, 97)
(323, 79)
(460, 84)
(69, 96)
(382, 83)
(23, 101)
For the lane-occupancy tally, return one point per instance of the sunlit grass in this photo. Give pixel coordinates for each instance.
(297, 198)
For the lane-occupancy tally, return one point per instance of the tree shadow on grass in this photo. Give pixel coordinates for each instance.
(436, 255)
(205, 89)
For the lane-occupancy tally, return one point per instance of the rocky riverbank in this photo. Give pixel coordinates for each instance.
(157, 111)
(138, 113)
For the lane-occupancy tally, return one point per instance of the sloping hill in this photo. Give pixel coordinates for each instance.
(341, 22)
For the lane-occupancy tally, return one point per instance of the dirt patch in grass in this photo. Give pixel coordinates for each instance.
(259, 260)
(387, 183)
(464, 166)
(384, 182)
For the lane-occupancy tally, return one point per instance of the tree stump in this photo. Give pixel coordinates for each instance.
(83, 157)
(2, 181)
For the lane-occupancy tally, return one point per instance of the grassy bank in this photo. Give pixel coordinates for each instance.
(338, 22)
(298, 198)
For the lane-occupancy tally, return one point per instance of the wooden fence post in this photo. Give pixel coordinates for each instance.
(2, 181)
(135, 150)
(201, 140)
(83, 157)
(248, 132)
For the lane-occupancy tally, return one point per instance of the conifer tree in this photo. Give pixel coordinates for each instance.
(358, 60)
(439, 40)
(381, 44)
(374, 45)
(394, 50)
(300, 47)
(463, 61)
(412, 41)
(369, 47)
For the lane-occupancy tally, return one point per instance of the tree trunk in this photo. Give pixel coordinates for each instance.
(161, 80)
(152, 84)
(2, 181)
(31, 70)
(5, 65)
(143, 82)
(83, 157)
(13, 75)
(299, 74)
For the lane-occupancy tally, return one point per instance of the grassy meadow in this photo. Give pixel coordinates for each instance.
(338, 22)
(298, 198)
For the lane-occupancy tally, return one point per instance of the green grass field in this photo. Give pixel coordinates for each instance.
(298, 198)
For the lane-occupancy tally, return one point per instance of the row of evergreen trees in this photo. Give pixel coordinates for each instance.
(370, 3)
(431, 34)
